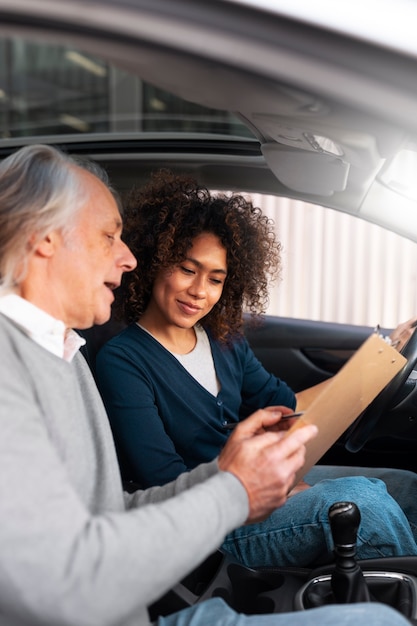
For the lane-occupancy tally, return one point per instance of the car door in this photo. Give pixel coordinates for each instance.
(303, 352)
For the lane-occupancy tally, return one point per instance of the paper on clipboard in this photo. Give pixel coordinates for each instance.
(347, 394)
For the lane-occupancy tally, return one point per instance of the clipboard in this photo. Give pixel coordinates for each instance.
(347, 394)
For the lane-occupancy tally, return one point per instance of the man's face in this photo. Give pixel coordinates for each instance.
(89, 261)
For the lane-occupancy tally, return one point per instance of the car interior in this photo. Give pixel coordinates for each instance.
(254, 101)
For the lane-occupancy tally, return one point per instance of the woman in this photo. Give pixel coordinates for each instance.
(181, 374)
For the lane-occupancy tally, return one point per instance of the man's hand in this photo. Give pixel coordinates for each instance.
(265, 460)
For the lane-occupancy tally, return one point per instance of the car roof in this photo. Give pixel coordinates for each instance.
(328, 97)
(382, 22)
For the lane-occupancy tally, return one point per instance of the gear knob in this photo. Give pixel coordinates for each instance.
(344, 518)
(348, 583)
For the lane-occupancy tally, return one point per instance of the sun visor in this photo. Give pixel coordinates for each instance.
(305, 171)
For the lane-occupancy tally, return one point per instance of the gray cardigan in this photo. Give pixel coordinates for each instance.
(74, 549)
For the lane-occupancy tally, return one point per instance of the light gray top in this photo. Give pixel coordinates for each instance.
(75, 549)
(199, 362)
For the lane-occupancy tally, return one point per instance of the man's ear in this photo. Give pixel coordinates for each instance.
(46, 246)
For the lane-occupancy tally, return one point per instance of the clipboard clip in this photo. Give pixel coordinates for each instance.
(386, 338)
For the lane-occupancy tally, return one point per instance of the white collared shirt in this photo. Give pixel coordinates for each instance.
(44, 329)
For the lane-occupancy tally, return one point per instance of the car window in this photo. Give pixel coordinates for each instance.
(338, 268)
(59, 90)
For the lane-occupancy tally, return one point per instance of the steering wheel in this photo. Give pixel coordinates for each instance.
(358, 434)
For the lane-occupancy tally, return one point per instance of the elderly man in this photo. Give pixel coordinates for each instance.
(74, 548)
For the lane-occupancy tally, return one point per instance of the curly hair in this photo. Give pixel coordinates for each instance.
(161, 221)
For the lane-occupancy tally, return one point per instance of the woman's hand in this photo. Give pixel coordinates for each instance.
(402, 333)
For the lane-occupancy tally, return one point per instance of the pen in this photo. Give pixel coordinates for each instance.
(283, 418)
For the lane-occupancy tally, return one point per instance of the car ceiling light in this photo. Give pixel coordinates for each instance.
(298, 137)
(87, 64)
(323, 144)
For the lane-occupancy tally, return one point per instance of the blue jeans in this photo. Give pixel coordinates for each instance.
(299, 532)
(216, 612)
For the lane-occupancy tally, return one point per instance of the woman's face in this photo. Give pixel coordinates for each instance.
(186, 293)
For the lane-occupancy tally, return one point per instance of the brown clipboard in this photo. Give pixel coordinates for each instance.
(347, 394)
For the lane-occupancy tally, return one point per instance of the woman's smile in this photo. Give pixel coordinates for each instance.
(188, 307)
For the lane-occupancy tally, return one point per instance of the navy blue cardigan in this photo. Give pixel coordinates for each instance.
(164, 422)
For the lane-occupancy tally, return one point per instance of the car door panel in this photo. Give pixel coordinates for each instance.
(303, 352)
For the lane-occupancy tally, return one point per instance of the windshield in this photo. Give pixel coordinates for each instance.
(54, 90)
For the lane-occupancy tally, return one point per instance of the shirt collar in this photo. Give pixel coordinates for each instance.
(44, 329)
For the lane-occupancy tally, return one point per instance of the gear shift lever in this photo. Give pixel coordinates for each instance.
(348, 582)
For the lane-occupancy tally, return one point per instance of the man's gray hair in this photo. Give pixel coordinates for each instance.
(41, 189)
